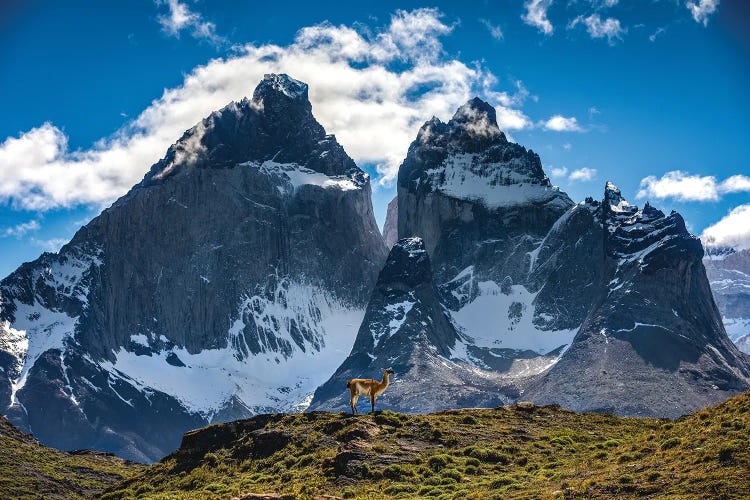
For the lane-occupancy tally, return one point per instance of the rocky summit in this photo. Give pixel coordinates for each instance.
(225, 284)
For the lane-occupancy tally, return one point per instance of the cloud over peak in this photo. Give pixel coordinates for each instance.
(372, 105)
(733, 230)
(682, 186)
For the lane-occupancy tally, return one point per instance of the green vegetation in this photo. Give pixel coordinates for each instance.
(511, 452)
(30, 470)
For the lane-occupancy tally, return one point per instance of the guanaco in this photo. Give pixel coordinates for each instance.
(367, 387)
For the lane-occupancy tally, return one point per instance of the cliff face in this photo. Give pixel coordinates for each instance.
(220, 286)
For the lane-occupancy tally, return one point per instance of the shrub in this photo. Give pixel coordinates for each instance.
(670, 443)
(396, 471)
(437, 462)
(452, 473)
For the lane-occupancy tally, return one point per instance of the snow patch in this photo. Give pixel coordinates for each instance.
(495, 185)
(266, 381)
(494, 319)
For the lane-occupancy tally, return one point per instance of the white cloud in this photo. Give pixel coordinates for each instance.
(702, 10)
(558, 172)
(598, 28)
(356, 91)
(653, 36)
(732, 230)
(50, 245)
(20, 230)
(567, 146)
(682, 186)
(583, 174)
(180, 17)
(559, 123)
(496, 32)
(536, 15)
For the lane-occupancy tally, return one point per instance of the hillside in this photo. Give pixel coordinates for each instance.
(517, 451)
(30, 470)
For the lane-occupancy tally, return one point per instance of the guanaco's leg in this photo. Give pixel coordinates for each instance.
(353, 403)
(372, 402)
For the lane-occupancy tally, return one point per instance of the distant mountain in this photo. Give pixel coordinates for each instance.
(390, 227)
(227, 283)
(407, 329)
(728, 271)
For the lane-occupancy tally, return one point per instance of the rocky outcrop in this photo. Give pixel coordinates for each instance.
(407, 329)
(222, 285)
(652, 342)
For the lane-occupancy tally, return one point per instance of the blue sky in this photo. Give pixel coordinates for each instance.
(649, 94)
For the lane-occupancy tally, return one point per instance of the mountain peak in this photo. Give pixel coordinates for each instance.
(280, 84)
(613, 199)
(478, 116)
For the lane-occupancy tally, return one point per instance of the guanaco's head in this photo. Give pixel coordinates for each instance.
(388, 371)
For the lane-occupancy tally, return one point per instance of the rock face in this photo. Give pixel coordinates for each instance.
(406, 328)
(728, 272)
(225, 284)
(652, 341)
(483, 206)
(390, 228)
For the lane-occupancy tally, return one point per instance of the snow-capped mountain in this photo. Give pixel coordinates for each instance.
(729, 274)
(483, 206)
(407, 329)
(228, 282)
(596, 306)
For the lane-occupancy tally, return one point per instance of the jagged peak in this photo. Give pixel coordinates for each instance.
(280, 84)
(477, 116)
(407, 263)
(614, 200)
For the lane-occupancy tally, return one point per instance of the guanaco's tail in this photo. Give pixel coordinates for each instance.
(348, 384)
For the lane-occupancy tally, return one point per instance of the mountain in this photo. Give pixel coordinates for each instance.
(224, 284)
(515, 452)
(407, 329)
(652, 341)
(728, 271)
(596, 306)
(483, 206)
(390, 227)
(30, 470)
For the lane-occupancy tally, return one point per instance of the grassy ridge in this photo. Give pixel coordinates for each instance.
(511, 452)
(30, 470)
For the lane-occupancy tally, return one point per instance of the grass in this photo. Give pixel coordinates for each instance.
(509, 452)
(30, 470)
